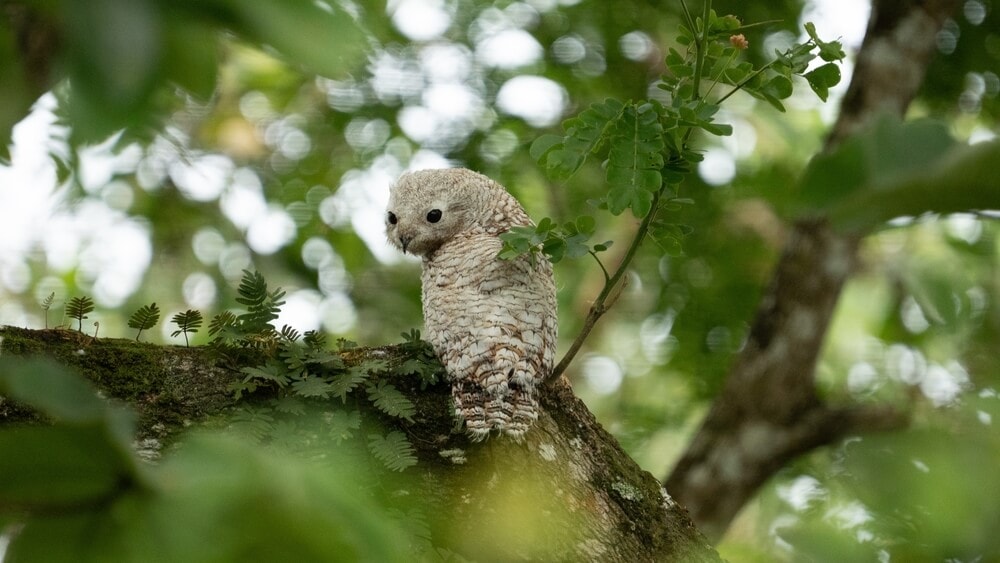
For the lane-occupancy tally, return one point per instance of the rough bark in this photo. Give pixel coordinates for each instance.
(769, 412)
(593, 502)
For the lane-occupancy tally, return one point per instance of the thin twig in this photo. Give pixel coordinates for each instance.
(607, 278)
(601, 304)
(700, 44)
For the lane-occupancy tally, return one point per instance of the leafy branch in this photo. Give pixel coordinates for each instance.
(645, 145)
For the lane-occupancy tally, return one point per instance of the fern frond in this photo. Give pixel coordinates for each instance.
(313, 386)
(314, 339)
(46, 305)
(328, 359)
(262, 306)
(391, 401)
(346, 381)
(145, 318)
(294, 358)
(254, 422)
(220, 322)
(345, 344)
(342, 424)
(188, 321)
(289, 405)
(78, 307)
(271, 372)
(394, 450)
(289, 333)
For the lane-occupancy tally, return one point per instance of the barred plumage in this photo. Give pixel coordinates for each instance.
(492, 322)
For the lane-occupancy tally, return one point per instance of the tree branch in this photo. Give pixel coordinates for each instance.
(593, 503)
(769, 412)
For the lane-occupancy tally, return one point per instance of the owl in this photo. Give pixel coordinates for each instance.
(492, 322)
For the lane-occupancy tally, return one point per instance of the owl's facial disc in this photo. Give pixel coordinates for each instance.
(422, 229)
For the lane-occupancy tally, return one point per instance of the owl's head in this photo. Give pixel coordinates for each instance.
(429, 207)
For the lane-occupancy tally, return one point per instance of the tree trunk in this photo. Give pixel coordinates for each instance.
(768, 412)
(587, 500)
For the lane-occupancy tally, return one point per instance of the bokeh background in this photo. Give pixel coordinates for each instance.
(278, 169)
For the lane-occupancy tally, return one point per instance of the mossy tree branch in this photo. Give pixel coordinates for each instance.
(594, 502)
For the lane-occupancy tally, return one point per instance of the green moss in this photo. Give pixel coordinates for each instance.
(165, 393)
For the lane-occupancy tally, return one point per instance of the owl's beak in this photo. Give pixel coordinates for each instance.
(404, 242)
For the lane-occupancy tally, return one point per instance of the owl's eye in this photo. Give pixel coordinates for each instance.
(392, 218)
(434, 215)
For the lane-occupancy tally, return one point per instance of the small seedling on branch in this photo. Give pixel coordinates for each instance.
(46, 305)
(252, 329)
(145, 318)
(188, 321)
(77, 308)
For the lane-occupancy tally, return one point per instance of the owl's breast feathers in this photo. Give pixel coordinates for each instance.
(491, 321)
(469, 292)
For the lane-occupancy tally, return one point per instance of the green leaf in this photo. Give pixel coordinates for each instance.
(262, 306)
(312, 386)
(389, 400)
(342, 424)
(221, 322)
(828, 50)
(823, 78)
(254, 422)
(586, 224)
(83, 458)
(345, 382)
(585, 134)
(320, 36)
(77, 308)
(873, 159)
(294, 357)
(542, 145)
(188, 321)
(289, 405)
(393, 449)
(145, 318)
(894, 168)
(47, 387)
(780, 87)
(555, 249)
(830, 176)
(271, 372)
(191, 56)
(61, 465)
(635, 160)
(112, 72)
(14, 90)
(963, 178)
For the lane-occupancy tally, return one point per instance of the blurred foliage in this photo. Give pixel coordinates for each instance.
(216, 498)
(224, 112)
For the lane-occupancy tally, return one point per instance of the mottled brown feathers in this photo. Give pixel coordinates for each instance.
(492, 322)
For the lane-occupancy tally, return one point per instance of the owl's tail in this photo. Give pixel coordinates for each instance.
(511, 413)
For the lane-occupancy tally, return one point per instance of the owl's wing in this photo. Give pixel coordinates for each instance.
(493, 323)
